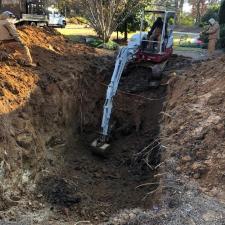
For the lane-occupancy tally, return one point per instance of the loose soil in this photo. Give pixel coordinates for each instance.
(50, 115)
(199, 144)
(165, 165)
(192, 133)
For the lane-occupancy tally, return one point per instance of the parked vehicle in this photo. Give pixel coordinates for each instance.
(55, 19)
(33, 12)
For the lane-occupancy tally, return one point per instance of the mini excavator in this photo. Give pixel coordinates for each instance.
(141, 51)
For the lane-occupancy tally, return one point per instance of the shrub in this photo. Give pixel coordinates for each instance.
(186, 20)
(98, 43)
(212, 12)
(78, 20)
(222, 13)
(222, 24)
(222, 36)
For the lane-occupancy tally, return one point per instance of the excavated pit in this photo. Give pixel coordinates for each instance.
(98, 187)
(49, 117)
(93, 188)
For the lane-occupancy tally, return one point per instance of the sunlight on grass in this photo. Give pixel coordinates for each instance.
(78, 33)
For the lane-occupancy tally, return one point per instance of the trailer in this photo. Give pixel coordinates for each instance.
(33, 12)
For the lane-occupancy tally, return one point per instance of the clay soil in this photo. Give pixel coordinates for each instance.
(49, 116)
(197, 133)
(166, 161)
(192, 164)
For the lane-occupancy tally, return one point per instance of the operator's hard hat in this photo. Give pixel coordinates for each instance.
(6, 15)
(212, 21)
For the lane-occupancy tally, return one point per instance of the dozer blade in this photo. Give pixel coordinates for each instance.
(157, 70)
(100, 148)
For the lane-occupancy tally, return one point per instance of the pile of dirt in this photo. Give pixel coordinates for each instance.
(192, 167)
(195, 126)
(50, 114)
(42, 108)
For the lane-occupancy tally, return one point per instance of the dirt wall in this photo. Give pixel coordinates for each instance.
(41, 107)
(191, 190)
(49, 116)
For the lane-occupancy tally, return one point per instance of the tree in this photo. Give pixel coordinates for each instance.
(212, 12)
(222, 13)
(131, 24)
(176, 5)
(199, 8)
(103, 14)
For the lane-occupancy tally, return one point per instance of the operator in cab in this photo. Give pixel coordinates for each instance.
(10, 41)
(156, 32)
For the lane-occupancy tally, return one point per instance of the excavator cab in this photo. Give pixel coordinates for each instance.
(157, 44)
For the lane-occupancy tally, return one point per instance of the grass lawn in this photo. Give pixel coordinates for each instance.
(79, 33)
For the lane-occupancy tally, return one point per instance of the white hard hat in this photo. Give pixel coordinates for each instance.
(6, 15)
(212, 21)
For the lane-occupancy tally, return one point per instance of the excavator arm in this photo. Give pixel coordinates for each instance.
(124, 56)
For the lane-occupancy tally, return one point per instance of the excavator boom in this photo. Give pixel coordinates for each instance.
(124, 56)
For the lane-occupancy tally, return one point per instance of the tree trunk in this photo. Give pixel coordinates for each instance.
(181, 6)
(125, 31)
(177, 11)
(198, 14)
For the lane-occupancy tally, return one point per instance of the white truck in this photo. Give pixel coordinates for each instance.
(55, 19)
(33, 12)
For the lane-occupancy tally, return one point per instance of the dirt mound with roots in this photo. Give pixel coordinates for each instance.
(42, 108)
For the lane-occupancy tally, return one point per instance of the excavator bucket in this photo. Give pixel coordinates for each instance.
(100, 148)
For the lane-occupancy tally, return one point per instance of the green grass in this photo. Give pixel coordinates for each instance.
(78, 33)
